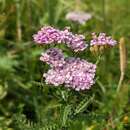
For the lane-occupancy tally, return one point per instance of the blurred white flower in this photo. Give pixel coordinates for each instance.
(78, 16)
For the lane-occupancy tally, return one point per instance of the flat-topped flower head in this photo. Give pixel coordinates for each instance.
(73, 72)
(50, 35)
(78, 16)
(101, 42)
(53, 57)
(102, 39)
(74, 41)
(54, 77)
(80, 74)
(47, 35)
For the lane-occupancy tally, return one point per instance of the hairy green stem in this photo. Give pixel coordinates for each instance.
(98, 59)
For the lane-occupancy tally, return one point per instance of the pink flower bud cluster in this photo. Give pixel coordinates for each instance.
(74, 73)
(102, 39)
(49, 35)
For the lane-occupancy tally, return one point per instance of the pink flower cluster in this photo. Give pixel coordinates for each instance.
(78, 16)
(73, 72)
(53, 56)
(102, 39)
(48, 35)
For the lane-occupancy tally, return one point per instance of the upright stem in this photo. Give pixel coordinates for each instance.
(104, 12)
(78, 4)
(120, 81)
(98, 59)
(123, 61)
(18, 21)
(29, 12)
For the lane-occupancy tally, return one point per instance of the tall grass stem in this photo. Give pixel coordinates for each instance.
(123, 61)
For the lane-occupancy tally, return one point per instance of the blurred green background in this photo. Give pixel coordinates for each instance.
(22, 94)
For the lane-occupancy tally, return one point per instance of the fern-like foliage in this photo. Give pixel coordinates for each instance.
(67, 111)
(83, 104)
(21, 123)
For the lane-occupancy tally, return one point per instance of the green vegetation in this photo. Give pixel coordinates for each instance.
(26, 102)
